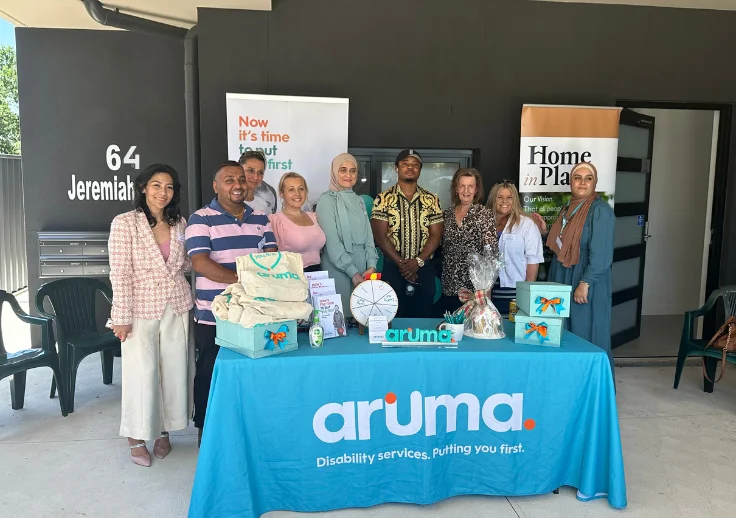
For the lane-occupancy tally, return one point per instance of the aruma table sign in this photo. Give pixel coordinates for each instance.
(414, 337)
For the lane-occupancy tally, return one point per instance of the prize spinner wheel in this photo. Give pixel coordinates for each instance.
(373, 298)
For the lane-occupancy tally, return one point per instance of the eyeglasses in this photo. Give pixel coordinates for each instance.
(252, 154)
(509, 182)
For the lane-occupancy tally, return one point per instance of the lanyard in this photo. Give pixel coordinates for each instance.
(565, 219)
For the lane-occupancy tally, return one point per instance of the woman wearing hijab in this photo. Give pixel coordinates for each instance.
(582, 240)
(349, 254)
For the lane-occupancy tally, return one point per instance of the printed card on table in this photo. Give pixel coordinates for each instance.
(321, 283)
(321, 287)
(313, 276)
(319, 292)
(377, 327)
(331, 315)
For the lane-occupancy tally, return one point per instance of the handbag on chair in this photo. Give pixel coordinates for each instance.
(724, 339)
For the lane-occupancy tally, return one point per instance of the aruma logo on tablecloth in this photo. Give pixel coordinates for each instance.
(356, 416)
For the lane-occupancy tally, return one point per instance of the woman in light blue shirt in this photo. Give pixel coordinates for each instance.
(349, 254)
(519, 240)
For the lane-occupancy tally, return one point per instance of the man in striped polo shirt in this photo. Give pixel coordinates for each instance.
(216, 235)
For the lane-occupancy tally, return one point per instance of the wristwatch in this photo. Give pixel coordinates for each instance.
(420, 262)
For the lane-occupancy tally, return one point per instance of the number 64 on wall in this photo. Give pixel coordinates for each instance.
(113, 157)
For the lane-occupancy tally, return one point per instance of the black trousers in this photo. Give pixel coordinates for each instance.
(204, 339)
(419, 305)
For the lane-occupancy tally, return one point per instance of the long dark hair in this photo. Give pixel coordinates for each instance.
(172, 213)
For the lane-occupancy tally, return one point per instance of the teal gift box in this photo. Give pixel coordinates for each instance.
(537, 330)
(544, 298)
(257, 342)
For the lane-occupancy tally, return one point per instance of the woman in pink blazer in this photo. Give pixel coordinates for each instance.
(150, 313)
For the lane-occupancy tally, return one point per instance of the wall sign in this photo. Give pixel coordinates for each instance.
(300, 134)
(111, 189)
(553, 140)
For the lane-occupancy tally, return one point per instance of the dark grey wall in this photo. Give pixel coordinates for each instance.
(428, 73)
(81, 91)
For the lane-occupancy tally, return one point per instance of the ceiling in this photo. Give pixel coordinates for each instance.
(71, 14)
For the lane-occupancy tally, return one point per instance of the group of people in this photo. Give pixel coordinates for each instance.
(152, 246)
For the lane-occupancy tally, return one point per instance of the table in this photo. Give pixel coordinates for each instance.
(355, 425)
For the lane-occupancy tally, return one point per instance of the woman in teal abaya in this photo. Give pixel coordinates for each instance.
(582, 240)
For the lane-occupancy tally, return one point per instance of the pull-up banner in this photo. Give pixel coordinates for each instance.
(299, 134)
(553, 140)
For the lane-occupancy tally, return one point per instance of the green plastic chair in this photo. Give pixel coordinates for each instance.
(19, 363)
(690, 346)
(73, 301)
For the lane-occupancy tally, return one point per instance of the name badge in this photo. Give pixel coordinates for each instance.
(509, 237)
(559, 243)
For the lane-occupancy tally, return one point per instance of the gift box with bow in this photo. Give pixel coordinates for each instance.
(536, 330)
(258, 341)
(544, 298)
(542, 308)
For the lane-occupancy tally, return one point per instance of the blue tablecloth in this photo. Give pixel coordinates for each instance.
(354, 425)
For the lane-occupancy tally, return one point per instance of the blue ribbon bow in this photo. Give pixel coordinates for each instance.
(540, 329)
(277, 338)
(545, 304)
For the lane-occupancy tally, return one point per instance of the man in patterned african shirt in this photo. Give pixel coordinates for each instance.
(407, 226)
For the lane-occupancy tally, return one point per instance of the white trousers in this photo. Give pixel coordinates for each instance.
(158, 375)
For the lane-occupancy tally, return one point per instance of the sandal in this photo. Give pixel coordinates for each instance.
(162, 451)
(141, 460)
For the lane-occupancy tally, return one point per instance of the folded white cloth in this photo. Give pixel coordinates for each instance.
(274, 275)
(236, 306)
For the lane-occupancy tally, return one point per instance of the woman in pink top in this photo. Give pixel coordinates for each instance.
(297, 231)
(150, 313)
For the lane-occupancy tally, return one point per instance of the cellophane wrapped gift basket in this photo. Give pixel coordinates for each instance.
(482, 319)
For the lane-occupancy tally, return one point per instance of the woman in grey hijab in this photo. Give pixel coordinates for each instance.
(349, 254)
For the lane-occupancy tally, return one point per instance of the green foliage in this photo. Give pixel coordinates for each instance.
(549, 204)
(9, 120)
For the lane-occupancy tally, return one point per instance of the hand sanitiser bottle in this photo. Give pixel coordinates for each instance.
(316, 332)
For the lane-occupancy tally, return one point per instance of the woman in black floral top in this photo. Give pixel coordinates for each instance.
(469, 227)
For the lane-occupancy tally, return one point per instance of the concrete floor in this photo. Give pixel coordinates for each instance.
(659, 338)
(679, 457)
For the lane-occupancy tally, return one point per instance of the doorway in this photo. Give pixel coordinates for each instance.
(677, 198)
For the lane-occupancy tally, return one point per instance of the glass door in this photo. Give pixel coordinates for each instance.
(633, 174)
(377, 172)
